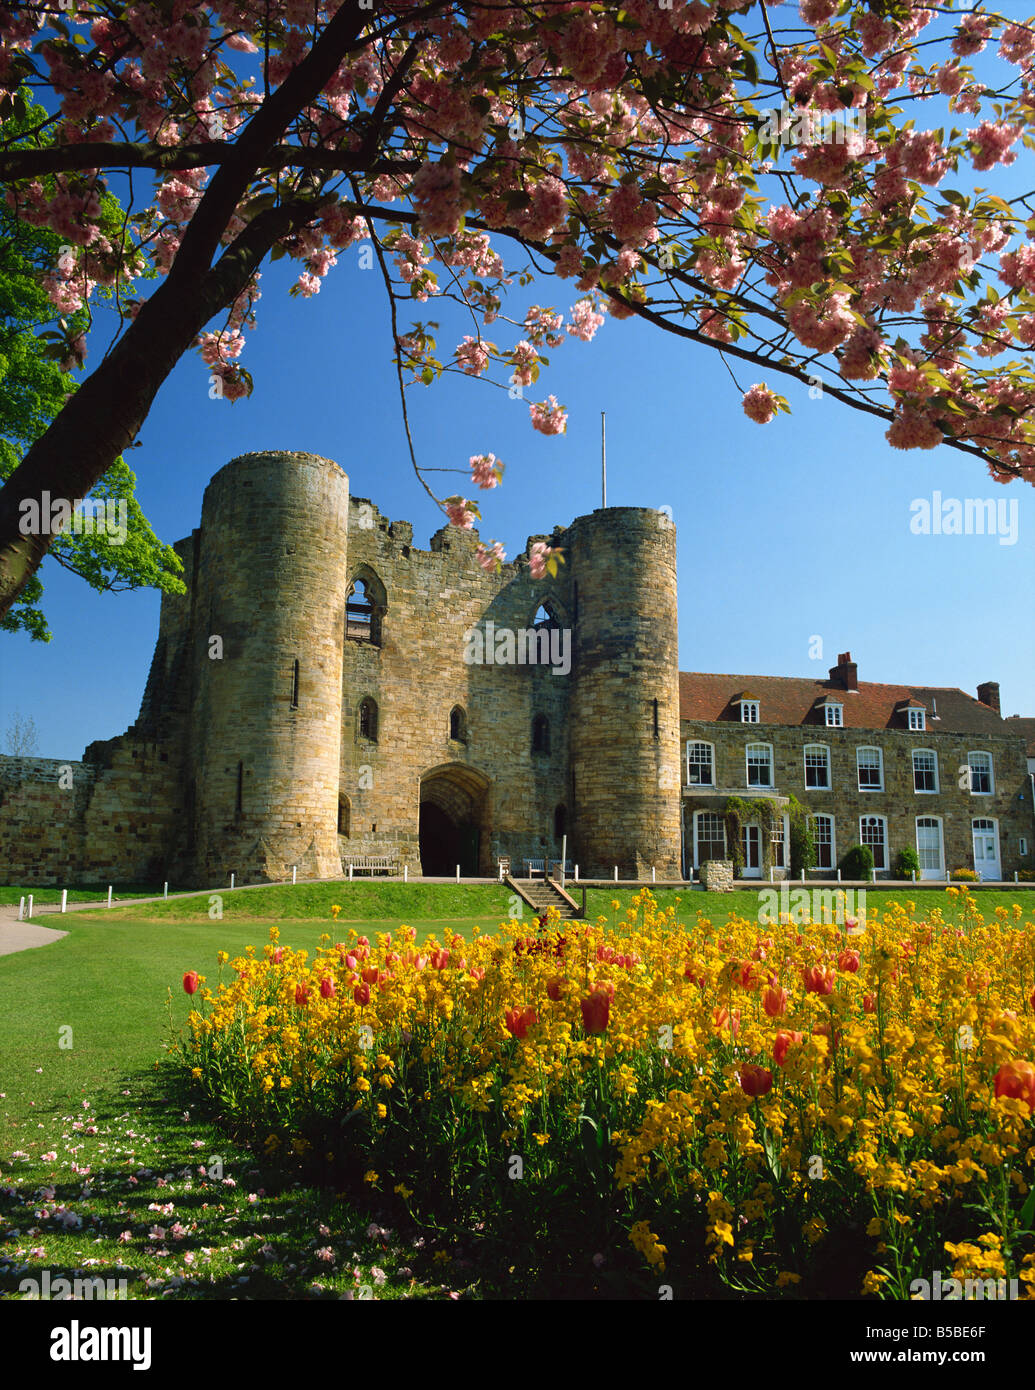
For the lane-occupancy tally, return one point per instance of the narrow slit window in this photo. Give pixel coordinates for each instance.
(294, 685)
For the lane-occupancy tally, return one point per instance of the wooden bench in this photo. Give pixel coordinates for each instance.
(372, 864)
(555, 865)
(535, 866)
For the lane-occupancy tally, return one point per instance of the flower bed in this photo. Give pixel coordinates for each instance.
(779, 1110)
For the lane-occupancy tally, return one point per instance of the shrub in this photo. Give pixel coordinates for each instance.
(858, 863)
(908, 863)
(964, 875)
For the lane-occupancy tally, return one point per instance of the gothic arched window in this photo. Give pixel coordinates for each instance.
(458, 724)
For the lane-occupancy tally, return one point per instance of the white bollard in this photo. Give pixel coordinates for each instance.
(64, 900)
(1015, 878)
(653, 876)
(576, 873)
(458, 873)
(231, 880)
(165, 890)
(406, 873)
(350, 873)
(30, 907)
(109, 895)
(294, 873)
(616, 873)
(21, 907)
(912, 874)
(803, 875)
(839, 875)
(771, 879)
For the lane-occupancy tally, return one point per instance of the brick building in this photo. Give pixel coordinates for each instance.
(325, 691)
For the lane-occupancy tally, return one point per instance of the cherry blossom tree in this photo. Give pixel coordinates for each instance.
(774, 181)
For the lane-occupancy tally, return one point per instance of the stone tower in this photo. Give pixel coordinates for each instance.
(265, 708)
(625, 693)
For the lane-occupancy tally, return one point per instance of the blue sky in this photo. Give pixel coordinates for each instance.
(797, 529)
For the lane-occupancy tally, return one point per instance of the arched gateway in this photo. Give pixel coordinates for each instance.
(454, 820)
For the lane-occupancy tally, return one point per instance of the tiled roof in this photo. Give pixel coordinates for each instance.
(793, 700)
(1023, 725)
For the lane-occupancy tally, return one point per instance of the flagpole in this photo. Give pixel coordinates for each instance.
(603, 458)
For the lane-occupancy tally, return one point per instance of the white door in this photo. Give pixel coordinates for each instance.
(986, 850)
(751, 849)
(929, 847)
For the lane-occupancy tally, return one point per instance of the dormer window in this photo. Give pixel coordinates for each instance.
(749, 711)
(835, 716)
(918, 720)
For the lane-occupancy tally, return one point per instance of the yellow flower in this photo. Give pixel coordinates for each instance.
(785, 1277)
(404, 1192)
(370, 1176)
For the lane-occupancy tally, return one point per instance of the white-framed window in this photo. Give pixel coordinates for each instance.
(817, 766)
(925, 770)
(759, 765)
(709, 837)
(1023, 846)
(980, 765)
(918, 720)
(835, 716)
(777, 845)
(929, 846)
(823, 839)
(870, 765)
(873, 832)
(700, 765)
(749, 711)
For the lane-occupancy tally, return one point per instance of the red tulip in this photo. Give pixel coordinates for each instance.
(774, 1001)
(819, 980)
(440, 959)
(596, 1011)
(190, 981)
(363, 941)
(1031, 999)
(361, 994)
(870, 1003)
(278, 955)
(848, 961)
(477, 972)
(519, 1021)
(721, 1017)
(301, 994)
(351, 961)
(782, 1045)
(755, 1081)
(1017, 1080)
(370, 975)
(327, 987)
(554, 989)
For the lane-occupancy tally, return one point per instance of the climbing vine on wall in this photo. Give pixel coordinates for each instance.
(737, 812)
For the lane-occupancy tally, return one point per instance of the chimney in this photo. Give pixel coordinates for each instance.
(846, 672)
(988, 694)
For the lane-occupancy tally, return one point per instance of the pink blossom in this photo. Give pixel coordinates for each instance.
(490, 557)
(326, 1254)
(486, 470)
(912, 429)
(548, 417)
(974, 32)
(759, 404)
(993, 140)
(539, 554)
(459, 513)
(585, 320)
(472, 356)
